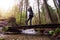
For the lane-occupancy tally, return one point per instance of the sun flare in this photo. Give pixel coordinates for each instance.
(6, 4)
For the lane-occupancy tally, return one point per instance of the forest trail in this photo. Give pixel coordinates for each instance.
(26, 37)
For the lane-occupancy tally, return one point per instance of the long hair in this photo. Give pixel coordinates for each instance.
(30, 8)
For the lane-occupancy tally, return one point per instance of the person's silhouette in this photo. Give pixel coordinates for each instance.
(30, 15)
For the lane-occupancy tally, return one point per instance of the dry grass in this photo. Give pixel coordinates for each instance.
(26, 37)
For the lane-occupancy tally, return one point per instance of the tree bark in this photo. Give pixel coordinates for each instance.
(26, 4)
(47, 14)
(39, 11)
(20, 7)
(58, 13)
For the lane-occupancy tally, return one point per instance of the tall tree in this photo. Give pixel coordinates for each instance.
(50, 13)
(57, 8)
(38, 3)
(47, 14)
(26, 4)
(21, 7)
(56, 5)
(53, 15)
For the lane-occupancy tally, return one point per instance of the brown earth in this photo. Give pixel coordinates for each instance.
(26, 37)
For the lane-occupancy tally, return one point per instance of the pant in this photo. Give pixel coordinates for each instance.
(30, 18)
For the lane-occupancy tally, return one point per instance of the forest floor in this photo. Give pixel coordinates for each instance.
(25, 37)
(22, 36)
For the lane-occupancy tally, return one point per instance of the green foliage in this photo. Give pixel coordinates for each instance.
(51, 32)
(18, 18)
(2, 39)
(58, 12)
(5, 29)
(23, 18)
(35, 20)
(53, 15)
(57, 30)
(43, 20)
(51, 9)
(17, 14)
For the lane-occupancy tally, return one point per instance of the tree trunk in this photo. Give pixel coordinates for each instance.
(20, 7)
(47, 13)
(26, 3)
(58, 13)
(38, 11)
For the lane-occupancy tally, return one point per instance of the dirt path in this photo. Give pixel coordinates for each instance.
(26, 37)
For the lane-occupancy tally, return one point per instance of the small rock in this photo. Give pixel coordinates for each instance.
(29, 31)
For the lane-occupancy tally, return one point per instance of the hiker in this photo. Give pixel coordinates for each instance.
(30, 15)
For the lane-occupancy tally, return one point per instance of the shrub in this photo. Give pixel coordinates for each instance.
(5, 29)
(2, 39)
(57, 30)
(12, 19)
(51, 32)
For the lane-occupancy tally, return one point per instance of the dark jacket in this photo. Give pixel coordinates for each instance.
(30, 12)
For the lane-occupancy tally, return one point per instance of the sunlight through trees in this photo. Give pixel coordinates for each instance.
(45, 11)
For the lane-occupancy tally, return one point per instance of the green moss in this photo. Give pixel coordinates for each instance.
(2, 39)
(51, 32)
(5, 29)
(57, 30)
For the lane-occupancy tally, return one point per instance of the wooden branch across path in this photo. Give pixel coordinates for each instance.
(37, 26)
(16, 30)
